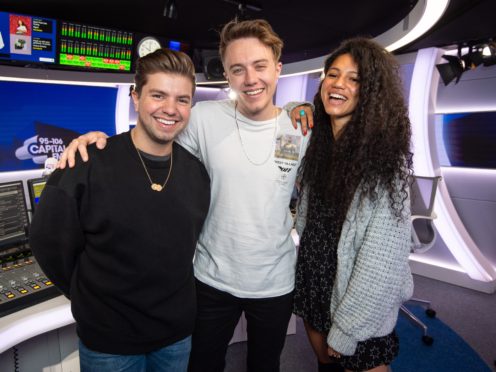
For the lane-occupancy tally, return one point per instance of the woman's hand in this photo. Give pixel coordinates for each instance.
(302, 115)
(80, 144)
(333, 353)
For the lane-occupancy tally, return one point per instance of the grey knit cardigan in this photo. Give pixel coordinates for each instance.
(373, 276)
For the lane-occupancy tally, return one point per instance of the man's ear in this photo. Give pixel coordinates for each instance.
(135, 97)
(278, 68)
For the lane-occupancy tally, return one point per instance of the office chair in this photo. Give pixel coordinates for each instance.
(422, 196)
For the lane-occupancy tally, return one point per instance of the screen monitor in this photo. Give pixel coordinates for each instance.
(26, 39)
(35, 188)
(466, 139)
(87, 47)
(38, 120)
(13, 214)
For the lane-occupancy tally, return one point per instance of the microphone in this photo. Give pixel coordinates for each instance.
(50, 165)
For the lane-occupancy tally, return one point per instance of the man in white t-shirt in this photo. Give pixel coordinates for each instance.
(245, 258)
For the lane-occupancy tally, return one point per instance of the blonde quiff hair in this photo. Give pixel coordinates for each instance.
(257, 28)
(163, 60)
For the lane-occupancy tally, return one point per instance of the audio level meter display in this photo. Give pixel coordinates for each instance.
(91, 47)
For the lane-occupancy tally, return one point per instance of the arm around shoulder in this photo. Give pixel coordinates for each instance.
(189, 137)
(290, 106)
(79, 145)
(301, 113)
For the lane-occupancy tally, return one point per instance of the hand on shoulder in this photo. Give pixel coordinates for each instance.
(80, 145)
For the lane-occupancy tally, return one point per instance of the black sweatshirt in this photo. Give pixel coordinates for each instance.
(121, 252)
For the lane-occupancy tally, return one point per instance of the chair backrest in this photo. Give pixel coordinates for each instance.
(422, 196)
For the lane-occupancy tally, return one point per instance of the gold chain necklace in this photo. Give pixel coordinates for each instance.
(241, 139)
(156, 186)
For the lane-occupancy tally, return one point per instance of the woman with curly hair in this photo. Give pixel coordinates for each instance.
(354, 212)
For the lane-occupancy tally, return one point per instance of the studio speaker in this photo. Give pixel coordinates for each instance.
(212, 65)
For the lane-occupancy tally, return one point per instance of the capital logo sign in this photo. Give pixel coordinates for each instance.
(49, 141)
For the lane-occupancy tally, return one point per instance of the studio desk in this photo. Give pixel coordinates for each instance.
(29, 302)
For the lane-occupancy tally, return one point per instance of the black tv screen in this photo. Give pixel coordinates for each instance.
(26, 39)
(94, 48)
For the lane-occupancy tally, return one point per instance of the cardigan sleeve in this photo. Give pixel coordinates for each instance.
(377, 281)
(56, 237)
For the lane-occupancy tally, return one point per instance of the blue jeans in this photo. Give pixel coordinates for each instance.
(172, 358)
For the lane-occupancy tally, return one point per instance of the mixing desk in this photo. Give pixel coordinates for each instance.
(22, 283)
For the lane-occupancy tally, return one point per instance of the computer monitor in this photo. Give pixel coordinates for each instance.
(13, 214)
(35, 187)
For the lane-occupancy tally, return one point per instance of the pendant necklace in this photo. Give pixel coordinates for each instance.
(243, 145)
(155, 186)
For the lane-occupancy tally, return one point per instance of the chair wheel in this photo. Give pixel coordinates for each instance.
(430, 313)
(428, 340)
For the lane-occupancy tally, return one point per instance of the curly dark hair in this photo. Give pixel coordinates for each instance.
(374, 146)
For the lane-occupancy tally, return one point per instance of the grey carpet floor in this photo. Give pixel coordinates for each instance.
(469, 313)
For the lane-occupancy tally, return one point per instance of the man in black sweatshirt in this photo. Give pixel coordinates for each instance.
(117, 234)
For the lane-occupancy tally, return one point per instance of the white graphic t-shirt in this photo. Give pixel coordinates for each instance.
(245, 247)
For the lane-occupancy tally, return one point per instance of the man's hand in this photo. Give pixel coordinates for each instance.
(302, 115)
(80, 144)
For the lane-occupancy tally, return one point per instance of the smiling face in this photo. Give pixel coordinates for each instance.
(163, 107)
(339, 91)
(252, 72)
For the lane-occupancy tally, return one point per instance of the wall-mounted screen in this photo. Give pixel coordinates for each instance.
(27, 39)
(466, 139)
(88, 47)
(38, 120)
